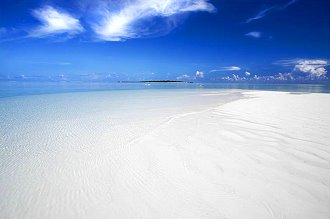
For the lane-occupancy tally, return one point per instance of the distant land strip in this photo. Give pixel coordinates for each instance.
(155, 81)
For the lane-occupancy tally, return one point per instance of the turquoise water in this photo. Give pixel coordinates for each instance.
(8, 89)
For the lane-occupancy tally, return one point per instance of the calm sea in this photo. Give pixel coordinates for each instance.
(8, 89)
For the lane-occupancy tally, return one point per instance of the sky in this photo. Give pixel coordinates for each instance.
(163, 39)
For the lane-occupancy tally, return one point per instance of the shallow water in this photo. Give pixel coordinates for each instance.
(35, 88)
(48, 141)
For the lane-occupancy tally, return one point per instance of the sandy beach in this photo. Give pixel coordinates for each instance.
(183, 154)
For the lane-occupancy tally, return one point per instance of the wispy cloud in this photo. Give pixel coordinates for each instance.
(51, 63)
(3, 31)
(286, 62)
(260, 15)
(288, 4)
(134, 19)
(230, 68)
(8, 34)
(54, 21)
(254, 34)
(263, 13)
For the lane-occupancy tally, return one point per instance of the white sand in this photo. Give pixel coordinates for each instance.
(264, 156)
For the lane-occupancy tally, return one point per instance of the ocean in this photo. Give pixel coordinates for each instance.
(8, 89)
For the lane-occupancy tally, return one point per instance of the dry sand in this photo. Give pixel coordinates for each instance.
(263, 156)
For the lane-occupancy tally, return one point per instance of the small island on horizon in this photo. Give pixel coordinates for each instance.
(156, 81)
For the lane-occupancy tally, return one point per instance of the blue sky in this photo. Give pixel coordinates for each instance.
(169, 39)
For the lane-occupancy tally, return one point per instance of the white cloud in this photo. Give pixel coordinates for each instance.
(314, 67)
(54, 21)
(230, 68)
(235, 77)
(183, 77)
(254, 34)
(233, 68)
(199, 74)
(247, 73)
(133, 18)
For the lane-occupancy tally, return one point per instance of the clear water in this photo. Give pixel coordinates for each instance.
(69, 152)
(8, 89)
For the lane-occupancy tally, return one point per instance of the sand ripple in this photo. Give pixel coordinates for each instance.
(261, 157)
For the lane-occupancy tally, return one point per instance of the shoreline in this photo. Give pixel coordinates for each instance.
(8, 89)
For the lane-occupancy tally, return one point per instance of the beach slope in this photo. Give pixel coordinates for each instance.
(266, 155)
